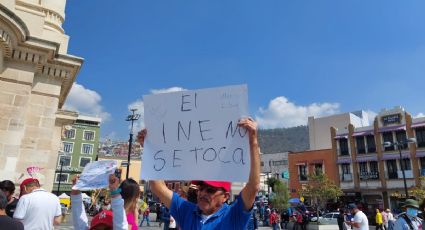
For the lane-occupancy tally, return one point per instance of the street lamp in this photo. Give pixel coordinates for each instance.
(132, 117)
(399, 145)
(60, 174)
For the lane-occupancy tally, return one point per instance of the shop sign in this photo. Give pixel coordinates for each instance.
(391, 119)
(369, 175)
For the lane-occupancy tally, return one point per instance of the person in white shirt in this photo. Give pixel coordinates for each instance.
(360, 221)
(37, 209)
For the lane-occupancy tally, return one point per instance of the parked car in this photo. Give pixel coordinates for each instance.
(329, 218)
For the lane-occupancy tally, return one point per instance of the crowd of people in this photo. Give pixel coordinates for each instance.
(207, 209)
(202, 205)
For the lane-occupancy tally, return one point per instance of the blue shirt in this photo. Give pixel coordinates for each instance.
(188, 215)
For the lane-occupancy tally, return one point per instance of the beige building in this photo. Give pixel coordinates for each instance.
(36, 75)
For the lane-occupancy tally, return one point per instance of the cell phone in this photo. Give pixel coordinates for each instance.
(118, 173)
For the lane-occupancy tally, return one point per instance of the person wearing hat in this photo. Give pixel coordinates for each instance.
(359, 221)
(390, 219)
(409, 220)
(211, 210)
(104, 220)
(37, 209)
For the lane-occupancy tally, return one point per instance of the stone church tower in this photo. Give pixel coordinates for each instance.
(36, 75)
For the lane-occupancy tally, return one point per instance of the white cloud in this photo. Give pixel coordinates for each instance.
(371, 116)
(139, 105)
(86, 102)
(283, 113)
(167, 90)
(419, 115)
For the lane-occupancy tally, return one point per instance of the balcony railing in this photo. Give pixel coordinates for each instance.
(369, 175)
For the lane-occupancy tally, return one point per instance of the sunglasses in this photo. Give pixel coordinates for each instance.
(209, 189)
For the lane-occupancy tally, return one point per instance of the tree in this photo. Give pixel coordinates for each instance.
(281, 195)
(320, 189)
(419, 191)
(272, 181)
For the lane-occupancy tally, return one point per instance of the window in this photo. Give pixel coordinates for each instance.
(363, 167)
(406, 164)
(70, 133)
(87, 149)
(62, 177)
(423, 163)
(302, 171)
(388, 137)
(371, 147)
(392, 169)
(88, 135)
(68, 147)
(318, 168)
(373, 166)
(343, 145)
(420, 136)
(84, 161)
(281, 162)
(345, 168)
(401, 137)
(66, 160)
(360, 145)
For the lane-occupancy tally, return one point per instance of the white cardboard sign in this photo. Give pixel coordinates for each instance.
(96, 175)
(193, 135)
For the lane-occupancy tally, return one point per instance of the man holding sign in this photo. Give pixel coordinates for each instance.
(198, 135)
(211, 211)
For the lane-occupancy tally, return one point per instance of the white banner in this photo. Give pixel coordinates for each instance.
(96, 175)
(193, 135)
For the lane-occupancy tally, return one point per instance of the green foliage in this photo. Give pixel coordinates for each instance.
(281, 197)
(320, 189)
(419, 191)
(293, 139)
(272, 181)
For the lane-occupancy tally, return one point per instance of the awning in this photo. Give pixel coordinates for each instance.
(394, 156)
(392, 128)
(420, 124)
(363, 133)
(341, 136)
(420, 154)
(316, 162)
(301, 163)
(343, 161)
(366, 158)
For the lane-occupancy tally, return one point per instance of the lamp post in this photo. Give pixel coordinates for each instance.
(132, 117)
(398, 145)
(60, 175)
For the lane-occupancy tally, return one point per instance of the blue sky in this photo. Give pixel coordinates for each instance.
(299, 58)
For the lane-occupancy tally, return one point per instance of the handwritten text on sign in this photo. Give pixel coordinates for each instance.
(194, 135)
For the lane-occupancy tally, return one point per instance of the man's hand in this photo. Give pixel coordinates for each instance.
(74, 181)
(141, 135)
(249, 192)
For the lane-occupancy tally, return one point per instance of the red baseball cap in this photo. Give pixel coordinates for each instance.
(103, 217)
(25, 182)
(218, 184)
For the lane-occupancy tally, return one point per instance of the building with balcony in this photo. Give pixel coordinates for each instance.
(371, 173)
(301, 164)
(80, 144)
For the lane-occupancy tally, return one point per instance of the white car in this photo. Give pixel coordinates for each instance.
(329, 218)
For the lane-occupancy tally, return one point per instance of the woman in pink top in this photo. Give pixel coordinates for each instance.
(130, 192)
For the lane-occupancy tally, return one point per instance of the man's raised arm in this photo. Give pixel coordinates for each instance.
(160, 190)
(158, 187)
(249, 192)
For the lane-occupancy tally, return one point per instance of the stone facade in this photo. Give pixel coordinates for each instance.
(36, 75)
